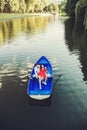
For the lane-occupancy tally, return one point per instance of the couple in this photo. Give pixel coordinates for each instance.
(40, 72)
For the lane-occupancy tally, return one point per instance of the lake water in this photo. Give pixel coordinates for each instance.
(22, 42)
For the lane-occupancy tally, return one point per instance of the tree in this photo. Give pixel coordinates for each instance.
(22, 6)
(2, 3)
(37, 8)
(55, 8)
(70, 7)
(50, 7)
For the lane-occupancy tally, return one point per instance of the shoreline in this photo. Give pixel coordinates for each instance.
(10, 16)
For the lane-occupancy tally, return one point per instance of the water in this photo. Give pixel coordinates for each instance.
(22, 42)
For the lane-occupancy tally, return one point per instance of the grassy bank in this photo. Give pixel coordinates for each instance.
(7, 16)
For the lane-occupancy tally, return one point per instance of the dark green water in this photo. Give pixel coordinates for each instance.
(22, 42)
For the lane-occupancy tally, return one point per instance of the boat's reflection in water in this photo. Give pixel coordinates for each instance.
(45, 102)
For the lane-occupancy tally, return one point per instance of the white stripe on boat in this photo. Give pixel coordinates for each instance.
(39, 97)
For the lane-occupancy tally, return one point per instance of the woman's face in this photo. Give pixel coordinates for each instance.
(42, 66)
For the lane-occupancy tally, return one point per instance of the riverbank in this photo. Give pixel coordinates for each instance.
(7, 16)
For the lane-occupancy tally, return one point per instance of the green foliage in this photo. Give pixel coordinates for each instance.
(37, 8)
(85, 20)
(22, 6)
(70, 7)
(50, 8)
(55, 8)
(83, 3)
(2, 4)
(14, 5)
(62, 6)
(81, 12)
(80, 4)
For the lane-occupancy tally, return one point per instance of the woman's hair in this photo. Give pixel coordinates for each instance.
(35, 65)
(41, 66)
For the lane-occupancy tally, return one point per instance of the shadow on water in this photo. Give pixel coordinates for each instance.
(76, 40)
(34, 102)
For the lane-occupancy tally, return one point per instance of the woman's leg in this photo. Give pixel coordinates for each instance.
(40, 79)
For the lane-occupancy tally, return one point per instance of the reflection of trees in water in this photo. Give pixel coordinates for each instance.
(11, 29)
(68, 33)
(13, 73)
(83, 56)
(76, 39)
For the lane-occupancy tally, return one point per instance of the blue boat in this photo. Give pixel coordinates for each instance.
(34, 90)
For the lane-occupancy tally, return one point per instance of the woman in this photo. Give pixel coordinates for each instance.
(42, 75)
